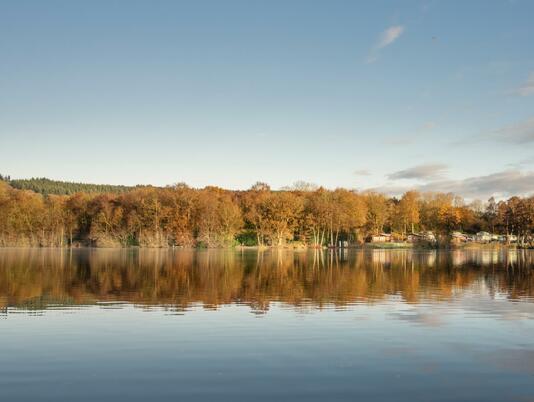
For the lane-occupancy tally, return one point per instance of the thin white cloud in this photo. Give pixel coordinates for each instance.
(387, 37)
(420, 172)
(528, 87)
(362, 172)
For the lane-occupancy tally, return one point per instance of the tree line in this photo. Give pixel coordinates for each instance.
(179, 215)
(46, 186)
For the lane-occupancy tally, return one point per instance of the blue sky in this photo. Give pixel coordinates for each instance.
(436, 95)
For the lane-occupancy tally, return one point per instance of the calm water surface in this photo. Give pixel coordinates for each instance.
(149, 325)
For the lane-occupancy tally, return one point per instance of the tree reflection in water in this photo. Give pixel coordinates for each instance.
(177, 279)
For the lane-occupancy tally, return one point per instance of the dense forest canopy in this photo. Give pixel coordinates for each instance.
(45, 186)
(213, 217)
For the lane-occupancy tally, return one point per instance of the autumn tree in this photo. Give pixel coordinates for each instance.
(182, 200)
(490, 214)
(108, 228)
(408, 210)
(54, 221)
(282, 211)
(347, 213)
(217, 217)
(434, 209)
(449, 217)
(77, 219)
(377, 211)
(316, 215)
(253, 204)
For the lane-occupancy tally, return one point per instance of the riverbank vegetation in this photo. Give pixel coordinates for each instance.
(213, 217)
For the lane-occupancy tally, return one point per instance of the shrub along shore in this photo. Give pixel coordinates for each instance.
(300, 216)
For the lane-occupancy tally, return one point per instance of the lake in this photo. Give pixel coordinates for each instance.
(279, 325)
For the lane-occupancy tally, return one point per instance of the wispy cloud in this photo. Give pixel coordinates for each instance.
(522, 163)
(387, 37)
(505, 183)
(501, 184)
(528, 87)
(362, 172)
(421, 172)
(520, 133)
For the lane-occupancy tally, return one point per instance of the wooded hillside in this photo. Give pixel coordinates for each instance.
(46, 186)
